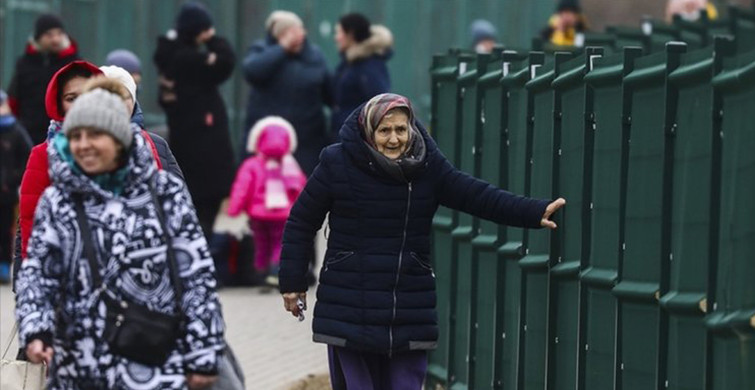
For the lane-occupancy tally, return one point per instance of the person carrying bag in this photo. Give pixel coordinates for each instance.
(117, 291)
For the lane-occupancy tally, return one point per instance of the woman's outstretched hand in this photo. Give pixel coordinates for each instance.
(552, 208)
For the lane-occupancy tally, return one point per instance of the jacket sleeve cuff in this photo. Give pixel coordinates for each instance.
(45, 337)
(538, 212)
(206, 368)
(208, 372)
(292, 284)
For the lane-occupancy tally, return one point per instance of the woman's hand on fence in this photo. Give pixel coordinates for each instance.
(290, 302)
(552, 208)
(198, 381)
(38, 352)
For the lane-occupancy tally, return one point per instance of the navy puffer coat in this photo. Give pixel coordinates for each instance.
(377, 287)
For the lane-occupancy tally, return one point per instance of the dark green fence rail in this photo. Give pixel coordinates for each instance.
(648, 282)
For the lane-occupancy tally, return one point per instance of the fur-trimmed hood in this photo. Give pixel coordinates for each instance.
(380, 43)
(256, 131)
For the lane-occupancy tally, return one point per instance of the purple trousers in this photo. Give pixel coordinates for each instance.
(356, 370)
(268, 238)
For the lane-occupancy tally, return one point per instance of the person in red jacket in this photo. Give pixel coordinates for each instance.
(64, 87)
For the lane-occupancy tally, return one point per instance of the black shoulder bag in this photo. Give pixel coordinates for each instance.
(132, 330)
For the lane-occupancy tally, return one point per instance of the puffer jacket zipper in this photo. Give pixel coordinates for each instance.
(398, 269)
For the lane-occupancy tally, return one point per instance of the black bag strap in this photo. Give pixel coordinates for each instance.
(175, 275)
(86, 237)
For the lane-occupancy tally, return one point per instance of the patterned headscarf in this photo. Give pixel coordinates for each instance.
(374, 111)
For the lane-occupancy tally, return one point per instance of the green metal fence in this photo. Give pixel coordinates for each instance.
(648, 283)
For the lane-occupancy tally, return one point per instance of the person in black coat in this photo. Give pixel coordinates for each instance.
(381, 187)
(193, 62)
(363, 72)
(290, 79)
(15, 146)
(47, 51)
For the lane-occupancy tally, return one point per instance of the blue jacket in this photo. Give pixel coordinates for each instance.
(362, 74)
(295, 87)
(377, 287)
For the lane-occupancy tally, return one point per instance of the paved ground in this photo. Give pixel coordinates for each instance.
(274, 349)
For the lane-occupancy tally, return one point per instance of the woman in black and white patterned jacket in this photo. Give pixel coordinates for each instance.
(99, 162)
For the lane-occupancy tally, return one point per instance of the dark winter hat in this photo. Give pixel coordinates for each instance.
(101, 110)
(356, 24)
(45, 23)
(481, 30)
(193, 18)
(124, 59)
(569, 5)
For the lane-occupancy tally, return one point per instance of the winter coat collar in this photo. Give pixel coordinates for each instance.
(69, 48)
(139, 169)
(370, 160)
(379, 43)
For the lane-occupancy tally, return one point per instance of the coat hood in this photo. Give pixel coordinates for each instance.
(255, 141)
(140, 168)
(370, 160)
(51, 96)
(379, 43)
(274, 142)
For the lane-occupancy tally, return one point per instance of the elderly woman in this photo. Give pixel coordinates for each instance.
(117, 291)
(376, 300)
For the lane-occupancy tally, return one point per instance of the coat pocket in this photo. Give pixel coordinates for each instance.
(421, 261)
(338, 257)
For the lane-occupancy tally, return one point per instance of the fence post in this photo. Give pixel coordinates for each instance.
(732, 318)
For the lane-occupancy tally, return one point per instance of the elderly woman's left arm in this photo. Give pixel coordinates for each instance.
(203, 340)
(461, 191)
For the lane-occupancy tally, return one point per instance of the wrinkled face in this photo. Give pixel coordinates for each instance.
(392, 134)
(343, 40)
(94, 150)
(52, 40)
(71, 91)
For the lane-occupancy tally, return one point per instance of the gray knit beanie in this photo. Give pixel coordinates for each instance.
(101, 110)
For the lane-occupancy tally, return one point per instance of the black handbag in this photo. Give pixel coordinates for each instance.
(133, 330)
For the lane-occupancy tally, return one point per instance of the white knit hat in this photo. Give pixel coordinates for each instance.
(256, 132)
(280, 21)
(122, 75)
(102, 110)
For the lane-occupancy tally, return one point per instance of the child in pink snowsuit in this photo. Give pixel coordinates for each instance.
(266, 187)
